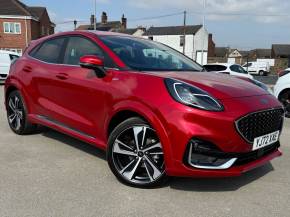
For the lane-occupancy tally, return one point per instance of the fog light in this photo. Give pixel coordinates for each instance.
(205, 155)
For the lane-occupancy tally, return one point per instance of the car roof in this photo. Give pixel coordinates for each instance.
(221, 64)
(9, 52)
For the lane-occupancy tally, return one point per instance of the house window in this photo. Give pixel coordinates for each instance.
(12, 28)
(16, 50)
(182, 39)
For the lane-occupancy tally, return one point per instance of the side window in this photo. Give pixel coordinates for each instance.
(248, 65)
(49, 51)
(78, 47)
(215, 68)
(13, 57)
(234, 68)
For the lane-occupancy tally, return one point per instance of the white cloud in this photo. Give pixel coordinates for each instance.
(224, 9)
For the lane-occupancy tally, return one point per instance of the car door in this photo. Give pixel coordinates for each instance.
(79, 95)
(41, 68)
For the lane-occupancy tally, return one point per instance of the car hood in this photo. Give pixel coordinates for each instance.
(218, 85)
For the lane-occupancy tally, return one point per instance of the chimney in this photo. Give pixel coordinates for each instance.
(93, 20)
(104, 18)
(124, 22)
(210, 36)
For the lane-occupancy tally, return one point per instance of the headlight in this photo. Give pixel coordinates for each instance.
(192, 96)
(262, 85)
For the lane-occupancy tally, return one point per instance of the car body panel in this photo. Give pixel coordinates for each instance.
(283, 83)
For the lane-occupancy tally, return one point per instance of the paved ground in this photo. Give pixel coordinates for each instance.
(51, 174)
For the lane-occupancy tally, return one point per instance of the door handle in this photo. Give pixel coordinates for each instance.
(27, 69)
(62, 76)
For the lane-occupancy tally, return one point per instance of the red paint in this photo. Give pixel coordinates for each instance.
(84, 102)
(92, 60)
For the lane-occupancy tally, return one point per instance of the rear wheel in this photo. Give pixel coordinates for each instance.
(261, 73)
(284, 98)
(135, 154)
(17, 114)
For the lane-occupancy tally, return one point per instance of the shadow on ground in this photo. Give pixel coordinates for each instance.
(220, 184)
(68, 140)
(184, 184)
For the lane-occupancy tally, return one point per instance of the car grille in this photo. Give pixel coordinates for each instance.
(260, 123)
(245, 158)
(3, 75)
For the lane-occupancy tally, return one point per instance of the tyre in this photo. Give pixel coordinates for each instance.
(284, 98)
(261, 73)
(135, 154)
(17, 114)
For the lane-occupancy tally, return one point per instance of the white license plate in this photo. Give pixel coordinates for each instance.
(265, 140)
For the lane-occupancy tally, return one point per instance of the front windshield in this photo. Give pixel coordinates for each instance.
(146, 55)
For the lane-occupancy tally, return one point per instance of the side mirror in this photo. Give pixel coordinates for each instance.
(95, 63)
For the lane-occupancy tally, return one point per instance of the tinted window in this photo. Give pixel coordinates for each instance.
(248, 65)
(78, 47)
(49, 51)
(145, 55)
(238, 69)
(13, 57)
(215, 68)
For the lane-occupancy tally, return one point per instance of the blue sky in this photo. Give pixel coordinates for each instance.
(244, 24)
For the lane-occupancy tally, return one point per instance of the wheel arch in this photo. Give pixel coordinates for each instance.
(9, 90)
(282, 92)
(137, 109)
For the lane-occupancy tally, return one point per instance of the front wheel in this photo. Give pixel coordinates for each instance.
(135, 154)
(261, 73)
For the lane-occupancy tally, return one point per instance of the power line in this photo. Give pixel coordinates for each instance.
(71, 21)
(156, 17)
(240, 14)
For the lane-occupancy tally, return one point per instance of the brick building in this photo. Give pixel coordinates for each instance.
(19, 24)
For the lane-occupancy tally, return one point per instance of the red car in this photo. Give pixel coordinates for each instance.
(154, 111)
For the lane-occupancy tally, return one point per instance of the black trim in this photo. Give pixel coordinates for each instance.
(242, 158)
(64, 126)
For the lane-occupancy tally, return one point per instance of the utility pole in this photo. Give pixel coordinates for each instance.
(184, 30)
(75, 24)
(203, 24)
(95, 13)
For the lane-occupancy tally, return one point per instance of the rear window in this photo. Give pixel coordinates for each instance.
(215, 68)
(49, 51)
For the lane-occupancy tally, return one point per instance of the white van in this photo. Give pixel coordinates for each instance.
(257, 68)
(6, 57)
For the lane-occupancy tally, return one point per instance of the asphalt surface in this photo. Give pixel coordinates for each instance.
(50, 174)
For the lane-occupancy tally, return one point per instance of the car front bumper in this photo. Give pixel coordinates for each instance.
(217, 128)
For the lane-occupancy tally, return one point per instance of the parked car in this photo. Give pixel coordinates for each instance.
(257, 68)
(282, 90)
(6, 57)
(227, 68)
(155, 115)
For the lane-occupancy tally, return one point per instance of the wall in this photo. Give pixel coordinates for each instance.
(193, 43)
(13, 41)
(201, 43)
(174, 42)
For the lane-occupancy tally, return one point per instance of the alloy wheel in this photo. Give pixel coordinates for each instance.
(138, 156)
(15, 112)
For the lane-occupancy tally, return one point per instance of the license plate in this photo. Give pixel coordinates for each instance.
(265, 140)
